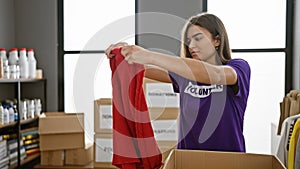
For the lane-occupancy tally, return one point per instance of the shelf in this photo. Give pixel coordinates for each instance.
(12, 127)
(26, 160)
(26, 88)
(27, 121)
(23, 122)
(20, 80)
(8, 128)
(8, 125)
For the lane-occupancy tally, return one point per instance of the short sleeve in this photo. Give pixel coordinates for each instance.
(243, 72)
(174, 78)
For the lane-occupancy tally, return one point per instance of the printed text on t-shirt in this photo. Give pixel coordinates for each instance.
(202, 91)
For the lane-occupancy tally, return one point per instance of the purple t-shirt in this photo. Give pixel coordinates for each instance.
(212, 116)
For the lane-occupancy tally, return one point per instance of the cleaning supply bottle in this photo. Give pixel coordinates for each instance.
(13, 61)
(5, 67)
(31, 63)
(3, 62)
(23, 62)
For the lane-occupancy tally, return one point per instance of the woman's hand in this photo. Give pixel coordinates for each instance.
(112, 46)
(136, 54)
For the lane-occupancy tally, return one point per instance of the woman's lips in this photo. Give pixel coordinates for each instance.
(194, 53)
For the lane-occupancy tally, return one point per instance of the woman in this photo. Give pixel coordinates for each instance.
(213, 87)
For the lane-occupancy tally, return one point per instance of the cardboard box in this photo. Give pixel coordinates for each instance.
(53, 158)
(81, 156)
(191, 159)
(103, 151)
(165, 113)
(103, 115)
(60, 131)
(160, 94)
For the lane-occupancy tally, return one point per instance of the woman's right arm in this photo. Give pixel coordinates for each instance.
(156, 73)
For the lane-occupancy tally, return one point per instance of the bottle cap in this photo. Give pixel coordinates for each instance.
(22, 49)
(13, 50)
(30, 50)
(2, 49)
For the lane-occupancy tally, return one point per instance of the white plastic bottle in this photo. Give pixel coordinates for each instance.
(5, 115)
(31, 63)
(37, 107)
(4, 63)
(1, 114)
(6, 72)
(13, 61)
(23, 62)
(11, 114)
(13, 58)
(3, 53)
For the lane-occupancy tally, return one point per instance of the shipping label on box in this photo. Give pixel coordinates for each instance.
(103, 115)
(160, 94)
(165, 130)
(103, 149)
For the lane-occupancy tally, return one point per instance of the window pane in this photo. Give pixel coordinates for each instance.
(102, 22)
(253, 23)
(266, 92)
(87, 77)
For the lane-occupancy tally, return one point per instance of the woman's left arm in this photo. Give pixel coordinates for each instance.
(189, 68)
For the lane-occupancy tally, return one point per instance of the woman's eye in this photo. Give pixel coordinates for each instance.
(197, 38)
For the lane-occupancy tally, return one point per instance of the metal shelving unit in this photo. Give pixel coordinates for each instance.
(15, 127)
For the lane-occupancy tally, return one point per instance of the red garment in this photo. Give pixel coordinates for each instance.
(134, 145)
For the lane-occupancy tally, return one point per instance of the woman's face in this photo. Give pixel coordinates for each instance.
(201, 44)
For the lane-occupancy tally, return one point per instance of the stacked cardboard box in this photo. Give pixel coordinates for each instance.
(103, 143)
(62, 139)
(163, 106)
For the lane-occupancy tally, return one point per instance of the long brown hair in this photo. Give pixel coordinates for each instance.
(217, 30)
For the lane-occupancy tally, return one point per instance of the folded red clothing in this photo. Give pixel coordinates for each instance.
(134, 145)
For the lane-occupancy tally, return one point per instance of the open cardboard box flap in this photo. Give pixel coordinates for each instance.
(60, 122)
(191, 159)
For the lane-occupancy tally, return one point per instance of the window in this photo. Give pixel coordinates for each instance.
(87, 32)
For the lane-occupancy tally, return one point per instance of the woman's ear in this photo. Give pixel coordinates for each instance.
(217, 41)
